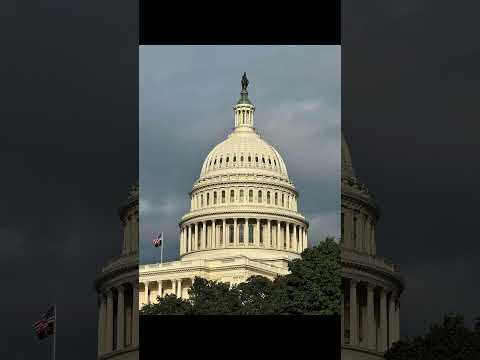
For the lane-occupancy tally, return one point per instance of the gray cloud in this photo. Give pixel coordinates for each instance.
(186, 99)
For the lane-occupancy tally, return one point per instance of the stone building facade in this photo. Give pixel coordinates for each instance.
(243, 217)
(371, 285)
(117, 289)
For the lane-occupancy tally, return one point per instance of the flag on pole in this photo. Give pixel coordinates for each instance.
(158, 240)
(46, 325)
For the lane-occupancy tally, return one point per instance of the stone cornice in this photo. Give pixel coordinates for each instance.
(242, 211)
(244, 180)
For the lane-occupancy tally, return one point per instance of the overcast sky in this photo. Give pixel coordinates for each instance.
(186, 99)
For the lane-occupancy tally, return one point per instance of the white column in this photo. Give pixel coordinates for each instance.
(383, 321)
(353, 313)
(214, 234)
(342, 317)
(224, 233)
(120, 319)
(256, 237)
(279, 241)
(295, 238)
(135, 315)
(174, 287)
(160, 288)
(203, 240)
(371, 326)
(269, 234)
(305, 243)
(287, 235)
(189, 232)
(391, 319)
(109, 332)
(179, 288)
(146, 296)
(196, 237)
(102, 314)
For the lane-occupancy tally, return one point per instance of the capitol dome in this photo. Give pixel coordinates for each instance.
(243, 202)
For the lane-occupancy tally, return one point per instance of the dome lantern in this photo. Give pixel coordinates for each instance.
(244, 109)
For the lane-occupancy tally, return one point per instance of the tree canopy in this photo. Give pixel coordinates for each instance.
(312, 287)
(450, 340)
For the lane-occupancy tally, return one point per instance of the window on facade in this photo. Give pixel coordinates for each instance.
(241, 158)
(215, 161)
(250, 196)
(260, 196)
(276, 198)
(208, 199)
(263, 160)
(234, 158)
(223, 197)
(232, 196)
(240, 233)
(230, 234)
(214, 197)
(249, 159)
(241, 195)
(228, 159)
(275, 162)
(250, 233)
(268, 197)
(283, 200)
(201, 200)
(256, 159)
(269, 161)
(221, 159)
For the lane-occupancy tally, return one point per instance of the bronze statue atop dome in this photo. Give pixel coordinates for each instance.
(244, 82)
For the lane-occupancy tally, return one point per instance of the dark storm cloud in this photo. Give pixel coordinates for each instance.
(410, 114)
(68, 151)
(186, 100)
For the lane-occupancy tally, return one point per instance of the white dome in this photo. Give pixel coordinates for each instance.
(242, 152)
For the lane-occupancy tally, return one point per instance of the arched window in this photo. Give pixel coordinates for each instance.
(223, 197)
(269, 161)
(201, 200)
(227, 159)
(256, 159)
(249, 158)
(276, 198)
(234, 158)
(250, 196)
(214, 197)
(263, 160)
(260, 196)
(232, 196)
(275, 162)
(283, 200)
(241, 195)
(240, 232)
(268, 197)
(221, 161)
(241, 158)
(215, 161)
(208, 199)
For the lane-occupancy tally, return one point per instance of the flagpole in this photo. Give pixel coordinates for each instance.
(161, 250)
(54, 330)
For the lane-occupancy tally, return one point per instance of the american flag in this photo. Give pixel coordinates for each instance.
(158, 240)
(45, 326)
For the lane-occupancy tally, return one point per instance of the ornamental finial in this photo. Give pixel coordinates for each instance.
(244, 82)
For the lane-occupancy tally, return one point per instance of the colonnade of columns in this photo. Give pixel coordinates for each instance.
(370, 316)
(149, 290)
(118, 318)
(238, 232)
(358, 231)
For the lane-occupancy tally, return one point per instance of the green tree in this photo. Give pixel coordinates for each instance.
(167, 305)
(213, 297)
(450, 340)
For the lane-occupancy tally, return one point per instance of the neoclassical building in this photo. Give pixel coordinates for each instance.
(243, 217)
(117, 289)
(371, 285)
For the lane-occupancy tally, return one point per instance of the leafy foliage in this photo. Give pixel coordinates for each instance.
(450, 340)
(312, 287)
